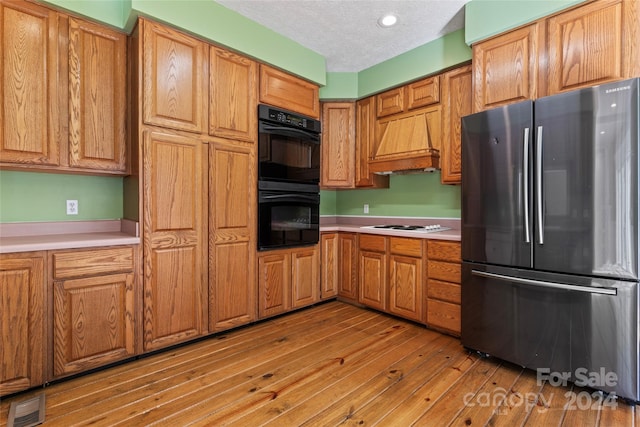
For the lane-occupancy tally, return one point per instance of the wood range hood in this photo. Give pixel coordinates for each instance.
(407, 143)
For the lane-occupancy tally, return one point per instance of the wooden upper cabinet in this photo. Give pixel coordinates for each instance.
(29, 118)
(457, 102)
(233, 87)
(97, 97)
(390, 102)
(365, 143)
(283, 90)
(423, 92)
(505, 68)
(175, 79)
(593, 44)
(338, 144)
(22, 309)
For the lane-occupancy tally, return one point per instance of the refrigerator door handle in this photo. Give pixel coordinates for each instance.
(539, 186)
(525, 185)
(544, 284)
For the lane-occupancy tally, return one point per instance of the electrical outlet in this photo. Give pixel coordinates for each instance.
(72, 207)
(366, 208)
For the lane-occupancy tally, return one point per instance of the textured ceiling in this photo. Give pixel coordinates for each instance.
(346, 32)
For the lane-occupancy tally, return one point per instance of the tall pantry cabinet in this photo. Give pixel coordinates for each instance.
(193, 185)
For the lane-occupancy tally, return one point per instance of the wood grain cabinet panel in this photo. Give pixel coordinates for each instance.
(97, 97)
(330, 264)
(174, 250)
(93, 322)
(457, 102)
(175, 79)
(423, 92)
(593, 44)
(72, 264)
(390, 102)
(233, 89)
(348, 265)
(365, 144)
(289, 92)
(505, 68)
(443, 285)
(22, 308)
(372, 285)
(232, 234)
(305, 276)
(274, 283)
(406, 285)
(338, 145)
(29, 118)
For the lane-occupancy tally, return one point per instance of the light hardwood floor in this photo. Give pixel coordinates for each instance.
(333, 364)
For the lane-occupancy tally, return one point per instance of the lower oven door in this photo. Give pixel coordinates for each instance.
(287, 219)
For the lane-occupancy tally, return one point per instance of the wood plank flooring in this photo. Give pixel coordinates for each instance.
(333, 364)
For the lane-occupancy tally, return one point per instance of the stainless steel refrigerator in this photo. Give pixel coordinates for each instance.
(550, 235)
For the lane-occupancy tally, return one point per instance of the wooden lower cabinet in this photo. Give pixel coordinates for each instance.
(372, 267)
(93, 307)
(287, 279)
(22, 326)
(339, 266)
(443, 285)
(329, 265)
(406, 278)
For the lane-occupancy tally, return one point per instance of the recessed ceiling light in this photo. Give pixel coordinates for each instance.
(388, 20)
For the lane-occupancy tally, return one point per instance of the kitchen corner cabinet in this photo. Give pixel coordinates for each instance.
(174, 247)
(365, 143)
(338, 145)
(65, 90)
(287, 279)
(329, 265)
(406, 278)
(292, 93)
(457, 102)
(22, 313)
(175, 78)
(443, 285)
(232, 234)
(234, 95)
(93, 307)
(339, 266)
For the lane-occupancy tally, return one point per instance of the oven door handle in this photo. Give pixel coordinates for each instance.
(291, 132)
(292, 197)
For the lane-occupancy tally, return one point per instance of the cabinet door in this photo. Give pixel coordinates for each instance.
(593, 44)
(93, 322)
(174, 286)
(348, 264)
(21, 322)
(175, 79)
(423, 92)
(390, 102)
(406, 287)
(29, 118)
(505, 68)
(457, 93)
(373, 279)
(289, 92)
(274, 283)
(232, 234)
(365, 142)
(338, 144)
(234, 96)
(97, 97)
(305, 277)
(330, 264)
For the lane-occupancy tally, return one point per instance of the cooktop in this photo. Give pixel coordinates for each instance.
(414, 228)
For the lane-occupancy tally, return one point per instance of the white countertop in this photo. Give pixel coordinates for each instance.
(452, 234)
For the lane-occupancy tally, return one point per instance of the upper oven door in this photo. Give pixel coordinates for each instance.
(288, 154)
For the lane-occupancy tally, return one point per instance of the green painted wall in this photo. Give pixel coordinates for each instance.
(419, 195)
(340, 86)
(486, 18)
(31, 196)
(327, 202)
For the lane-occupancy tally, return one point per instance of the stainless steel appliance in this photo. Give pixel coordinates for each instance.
(288, 179)
(550, 235)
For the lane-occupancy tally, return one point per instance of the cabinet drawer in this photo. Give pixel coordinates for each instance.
(390, 102)
(423, 92)
(447, 271)
(406, 246)
(444, 251)
(443, 291)
(443, 315)
(92, 262)
(370, 242)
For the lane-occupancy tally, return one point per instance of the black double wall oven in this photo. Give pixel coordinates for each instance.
(288, 179)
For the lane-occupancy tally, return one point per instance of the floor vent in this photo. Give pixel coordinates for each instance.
(27, 412)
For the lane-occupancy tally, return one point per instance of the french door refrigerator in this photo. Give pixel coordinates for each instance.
(550, 236)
